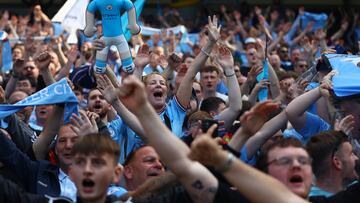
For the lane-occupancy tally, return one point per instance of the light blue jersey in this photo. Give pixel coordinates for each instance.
(125, 137)
(111, 14)
(174, 115)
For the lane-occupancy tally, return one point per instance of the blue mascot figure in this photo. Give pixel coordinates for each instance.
(110, 11)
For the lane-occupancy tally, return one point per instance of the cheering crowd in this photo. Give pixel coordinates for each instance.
(246, 105)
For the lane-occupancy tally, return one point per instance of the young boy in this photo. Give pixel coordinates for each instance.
(95, 167)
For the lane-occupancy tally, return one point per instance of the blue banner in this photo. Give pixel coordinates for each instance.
(57, 93)
(319, 20)
(347, 80)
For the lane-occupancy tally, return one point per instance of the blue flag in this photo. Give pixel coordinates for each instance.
(347, 81)
(264, 75)
(319, 20)
(59, 92)
(6, 53)
(139, 4)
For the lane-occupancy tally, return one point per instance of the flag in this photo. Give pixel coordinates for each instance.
(347, 80)
(264, 75)
(71, 16)
(319, 20)
(6, 53)
(56, 93)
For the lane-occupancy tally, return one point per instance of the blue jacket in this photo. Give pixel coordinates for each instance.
(38, 177)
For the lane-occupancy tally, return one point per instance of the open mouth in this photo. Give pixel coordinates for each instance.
(296, 179)
(88, 185)
(158, 93)
(97, 106)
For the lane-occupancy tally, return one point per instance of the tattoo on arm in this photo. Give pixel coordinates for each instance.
(198, 185)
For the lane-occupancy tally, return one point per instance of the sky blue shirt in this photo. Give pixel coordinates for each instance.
(314, 124)
(67, 187)
(176, 114)
(125, 137)
(111, 14)
(316, 191)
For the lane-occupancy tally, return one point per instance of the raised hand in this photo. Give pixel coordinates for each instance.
(326, 84)
(43, 61)
(18, 66)
(163, 62)
(213, 29)
(106, 88)
(254, 71)
(206, 150)
(174, 61)
(225, 58)
(346, 125)
(72, 54)
(83, 125)
(251, 121)
(143, 56)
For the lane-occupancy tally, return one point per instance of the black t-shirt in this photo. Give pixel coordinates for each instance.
(351, 194)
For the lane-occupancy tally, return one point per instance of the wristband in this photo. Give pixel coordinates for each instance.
(226, 166)
(229, 75)
(203, 51)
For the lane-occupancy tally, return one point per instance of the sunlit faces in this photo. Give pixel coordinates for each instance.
(144, 165)
(209, 81)
(295, 172)
(92, 175)
(64, 144)
(97, 103)
(156, 89)
(251, 55)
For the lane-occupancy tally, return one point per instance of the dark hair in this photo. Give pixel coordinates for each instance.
(211, 104)
(322, 147)
(32, 81)
(281, 142)
(97, 144)
(131, 155)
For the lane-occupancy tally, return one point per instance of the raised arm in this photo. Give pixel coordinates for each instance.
(229, 114)
(43, 61)
(253, 184)
(184, 92)
(198, 181)
(141, 60)
(106, 87)
(295, 111)
(42, 143)
(251, 122)
(16, 73)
